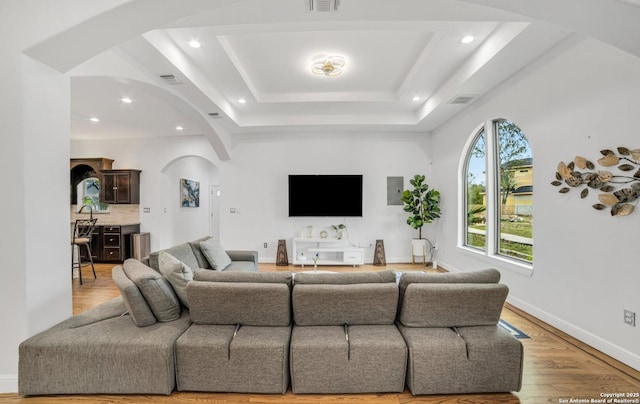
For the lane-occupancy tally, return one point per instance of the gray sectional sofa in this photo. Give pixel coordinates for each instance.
(251, 332)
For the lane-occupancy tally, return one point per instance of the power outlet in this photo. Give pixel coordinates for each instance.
(630, 317)
(265, 245)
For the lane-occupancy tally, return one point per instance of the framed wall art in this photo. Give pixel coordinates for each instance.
(189, 193)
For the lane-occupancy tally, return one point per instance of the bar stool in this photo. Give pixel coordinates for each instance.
(82, 231)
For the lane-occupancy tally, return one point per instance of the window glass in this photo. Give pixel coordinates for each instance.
(476, 177)
(515, 175)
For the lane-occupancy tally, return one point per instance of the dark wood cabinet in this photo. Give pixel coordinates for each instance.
(120, 186)
(112, 243)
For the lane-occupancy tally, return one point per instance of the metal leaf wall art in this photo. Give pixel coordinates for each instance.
(582, 173)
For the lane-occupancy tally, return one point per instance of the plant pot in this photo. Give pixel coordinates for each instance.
(418, 249)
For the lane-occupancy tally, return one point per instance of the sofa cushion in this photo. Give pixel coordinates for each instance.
(197, 252)
(246, 277)
(324, 361)
(345, 278)
(452, 305)
(215, 254)
(363, 303)
(156, 290)
(101, 352)
(242, 266)
(177, 273)
(223, 358)
(479, 359)
(133, 300)
(488, 275)
(239, 298)
(255, 304)
(182, 252)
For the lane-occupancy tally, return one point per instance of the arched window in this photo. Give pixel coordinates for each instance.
(498, 192)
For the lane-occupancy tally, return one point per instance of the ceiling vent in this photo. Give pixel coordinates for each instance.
(462, 99)
(170, 79)
(215, 114)
(322, 6)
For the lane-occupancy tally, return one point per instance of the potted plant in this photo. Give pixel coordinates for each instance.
(339, 229)
(423, 206)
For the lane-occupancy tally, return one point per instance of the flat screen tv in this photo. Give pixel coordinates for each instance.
(325, 195)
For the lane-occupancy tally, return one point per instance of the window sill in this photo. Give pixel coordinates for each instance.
(499, 261)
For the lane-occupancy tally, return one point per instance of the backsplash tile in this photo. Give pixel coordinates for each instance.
(118, 215)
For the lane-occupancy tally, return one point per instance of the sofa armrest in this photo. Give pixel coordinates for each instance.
(243, 255)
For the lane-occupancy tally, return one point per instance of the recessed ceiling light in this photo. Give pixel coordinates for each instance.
(415, 98)
(94, 119)
(126, 100)
(179, 128)
(467, 39)
(195, 44)
(242, 101)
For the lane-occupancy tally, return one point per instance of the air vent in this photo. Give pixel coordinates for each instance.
(322, 6)
(462, 99)
(215, 114)
(170, 79)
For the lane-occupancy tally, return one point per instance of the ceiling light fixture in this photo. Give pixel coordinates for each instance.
(242, 101)
(179, 128)
(415, 98)
(329, 66)
(195, 44)
(94, 119)
(126, 100)
(467, 39)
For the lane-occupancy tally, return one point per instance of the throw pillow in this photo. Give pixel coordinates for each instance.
(177, 273)
(215, 254)
(133, 300)
(156, 290)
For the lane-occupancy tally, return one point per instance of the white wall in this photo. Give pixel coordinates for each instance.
(163, 162)
(35, 291)
(254, 182)
(581, 98)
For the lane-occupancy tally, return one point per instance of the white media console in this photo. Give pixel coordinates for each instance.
(331, 251)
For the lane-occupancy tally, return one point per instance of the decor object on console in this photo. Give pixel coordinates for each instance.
(339, 229)
(423, 206)
(189, 193)
(619, 200)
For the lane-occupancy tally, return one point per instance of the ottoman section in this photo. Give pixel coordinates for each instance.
(323, 361)
(455, 345)
(344, 339)
(480, 360)
(255, 360)
(101, 352)
(239, 341)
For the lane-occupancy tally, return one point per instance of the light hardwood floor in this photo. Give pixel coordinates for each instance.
(556, 366)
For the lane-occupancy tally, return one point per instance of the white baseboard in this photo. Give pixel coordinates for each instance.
(621, 354)
(616, 352)
(8, 383)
